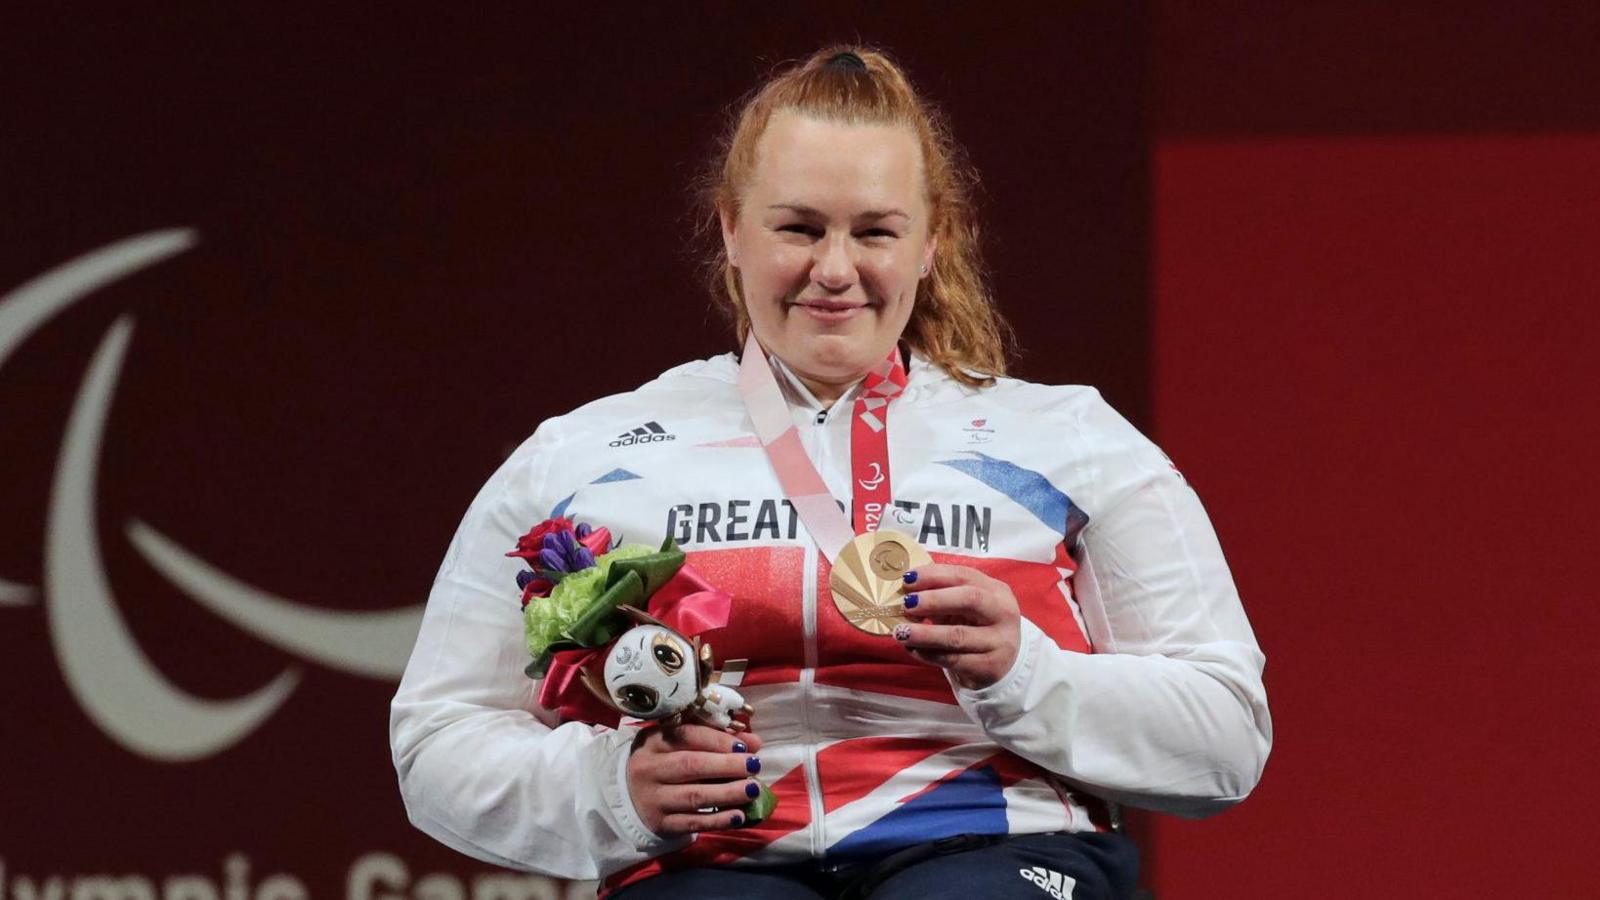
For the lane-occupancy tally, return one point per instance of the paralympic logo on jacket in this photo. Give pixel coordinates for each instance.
(105, 669)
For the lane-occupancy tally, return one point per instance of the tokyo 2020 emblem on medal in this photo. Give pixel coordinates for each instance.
(868, 587)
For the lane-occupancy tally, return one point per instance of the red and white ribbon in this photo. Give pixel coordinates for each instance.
(802, 483)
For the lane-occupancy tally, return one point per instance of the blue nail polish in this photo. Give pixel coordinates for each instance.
(911, 601)
(752, 791)
(739, 747)
(753, 765)
(737, 820)
(910, 577)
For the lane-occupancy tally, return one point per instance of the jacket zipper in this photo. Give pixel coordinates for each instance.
(808, 619)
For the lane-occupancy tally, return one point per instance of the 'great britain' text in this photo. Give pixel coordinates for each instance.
(951, 525)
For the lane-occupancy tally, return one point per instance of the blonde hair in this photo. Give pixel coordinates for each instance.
(953, 321)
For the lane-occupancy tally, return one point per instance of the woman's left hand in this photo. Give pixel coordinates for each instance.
(964, 622)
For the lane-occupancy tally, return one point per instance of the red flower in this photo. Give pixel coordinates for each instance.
(529, 545)
(538, 587)
(598, 541)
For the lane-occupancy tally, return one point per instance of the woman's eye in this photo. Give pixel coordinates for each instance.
(807, 230)
(878, 233)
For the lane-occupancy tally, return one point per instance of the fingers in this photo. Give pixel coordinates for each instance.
(699, 737)
(695, 753)
(691, 777)
(946, 641)
(676, 824)
(956, 592)
(974, 657)
(962, 621)
(685, 766)
(946, 646)
(704, 798)
(715, 740)
(962, 602)
(938, 575)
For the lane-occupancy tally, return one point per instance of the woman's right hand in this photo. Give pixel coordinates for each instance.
(674, 773)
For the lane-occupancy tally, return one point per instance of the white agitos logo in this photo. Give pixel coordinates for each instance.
(106, 670)
(872, 483)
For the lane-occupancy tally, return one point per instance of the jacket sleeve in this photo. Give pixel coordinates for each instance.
(482, 768)
(1169, 713)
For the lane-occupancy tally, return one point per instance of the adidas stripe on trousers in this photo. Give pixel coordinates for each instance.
(1084, 866)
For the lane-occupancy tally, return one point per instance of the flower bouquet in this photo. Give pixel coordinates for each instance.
(582, 593)
(583, 581)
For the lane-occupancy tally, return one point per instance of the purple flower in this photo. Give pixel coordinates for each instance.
(555, 551)
(550, 559)
(523, 578)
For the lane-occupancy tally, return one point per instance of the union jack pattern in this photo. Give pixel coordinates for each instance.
(845, 795)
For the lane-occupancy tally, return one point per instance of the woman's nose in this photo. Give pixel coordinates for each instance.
(833, 264)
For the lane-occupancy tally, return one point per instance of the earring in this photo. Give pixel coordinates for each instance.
(924, 271)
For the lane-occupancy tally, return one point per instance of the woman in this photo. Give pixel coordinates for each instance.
(1076, 643)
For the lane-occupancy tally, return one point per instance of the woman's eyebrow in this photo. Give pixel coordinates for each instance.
(811, 212)
(797, 209)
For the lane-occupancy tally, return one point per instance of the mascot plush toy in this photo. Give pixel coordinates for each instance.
(654, 673)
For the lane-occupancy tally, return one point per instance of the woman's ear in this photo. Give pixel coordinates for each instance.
(927, 256)
(730, 240)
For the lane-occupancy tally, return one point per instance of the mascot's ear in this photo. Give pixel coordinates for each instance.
(640, 617)
(703, 658)
(703, 654)
(596, 684)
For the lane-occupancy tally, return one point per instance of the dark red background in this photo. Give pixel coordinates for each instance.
(1374, 292)
(1339, 260)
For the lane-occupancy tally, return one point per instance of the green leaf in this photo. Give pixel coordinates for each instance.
(582, 609)
(761, 807)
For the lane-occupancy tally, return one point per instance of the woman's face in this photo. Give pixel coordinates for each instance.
(831, 240)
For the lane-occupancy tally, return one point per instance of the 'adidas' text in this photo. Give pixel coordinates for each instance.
(648, 433)
(1055, 884)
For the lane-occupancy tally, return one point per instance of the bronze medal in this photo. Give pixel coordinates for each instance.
(867, 582)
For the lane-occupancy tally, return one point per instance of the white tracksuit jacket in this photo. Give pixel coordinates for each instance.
(1046, 488)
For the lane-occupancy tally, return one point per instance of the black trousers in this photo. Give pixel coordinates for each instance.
(1085, 866)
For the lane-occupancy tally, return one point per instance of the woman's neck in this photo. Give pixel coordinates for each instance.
(826, 392)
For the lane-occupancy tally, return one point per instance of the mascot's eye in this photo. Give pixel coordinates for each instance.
(638, 698)
(667, 655)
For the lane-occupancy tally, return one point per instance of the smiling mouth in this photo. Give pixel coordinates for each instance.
(830, 312)
(831, 305)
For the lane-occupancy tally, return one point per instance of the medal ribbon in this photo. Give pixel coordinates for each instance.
(801, 482)
(869, 441)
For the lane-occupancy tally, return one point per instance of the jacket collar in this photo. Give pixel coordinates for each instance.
(921, 375)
